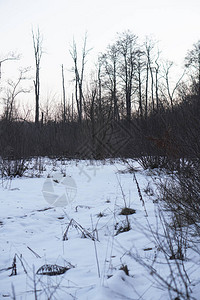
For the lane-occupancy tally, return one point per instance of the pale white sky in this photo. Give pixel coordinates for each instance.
(175, 23)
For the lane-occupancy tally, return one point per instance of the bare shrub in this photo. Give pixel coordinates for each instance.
(153, 161)
(181, 194)
(173, 235)
(13, 168)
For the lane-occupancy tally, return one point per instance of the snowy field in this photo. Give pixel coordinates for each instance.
(85, 245)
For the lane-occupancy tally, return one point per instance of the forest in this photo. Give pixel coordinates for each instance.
(130, 106)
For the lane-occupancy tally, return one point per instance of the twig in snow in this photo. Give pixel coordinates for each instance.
(140, 195)
(95, 248)
(37, 255)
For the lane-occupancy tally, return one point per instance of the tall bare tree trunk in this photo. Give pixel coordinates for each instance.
(156, 84)
(64, 99)
(146, 92)
(79, 76)
(140, 93)
(37, 44)
(126, 45)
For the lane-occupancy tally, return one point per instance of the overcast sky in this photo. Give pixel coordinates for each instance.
(175, 23)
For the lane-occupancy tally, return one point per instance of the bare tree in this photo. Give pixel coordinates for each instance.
(138, 78)
(157, 67)
(152, 76)
(79, 75)
(37, 44)
(109, 62)
(64, 98)
(13, 90)
(171, 91)
(147, 78)
(127, 48)
(192, 60)
(99, 90)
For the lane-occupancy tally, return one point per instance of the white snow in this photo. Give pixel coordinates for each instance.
(33, 230)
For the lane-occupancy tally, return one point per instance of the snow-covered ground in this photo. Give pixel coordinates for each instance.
(32, 230)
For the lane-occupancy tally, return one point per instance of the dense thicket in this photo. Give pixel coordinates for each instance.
(169, 133)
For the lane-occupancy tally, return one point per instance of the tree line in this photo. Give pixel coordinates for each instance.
(128, 107)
